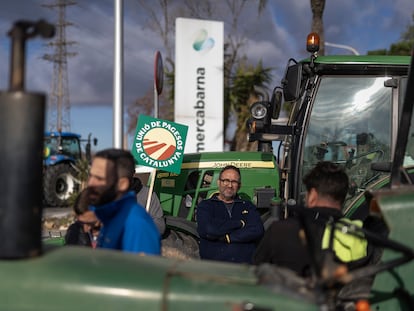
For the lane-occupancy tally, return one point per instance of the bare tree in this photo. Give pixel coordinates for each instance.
(164, 25)
(145, 105)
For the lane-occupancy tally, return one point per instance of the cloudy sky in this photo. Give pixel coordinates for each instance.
(277, 35)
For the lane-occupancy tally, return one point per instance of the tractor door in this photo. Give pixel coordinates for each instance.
(351, 121)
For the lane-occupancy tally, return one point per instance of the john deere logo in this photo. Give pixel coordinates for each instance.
(159, 143)
(202, 42)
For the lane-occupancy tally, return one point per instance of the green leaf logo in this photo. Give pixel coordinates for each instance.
(202, 42)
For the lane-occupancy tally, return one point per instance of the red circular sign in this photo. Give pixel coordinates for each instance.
(158, 72)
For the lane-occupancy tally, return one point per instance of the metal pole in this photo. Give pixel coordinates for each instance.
(155, 102)
(342, 46)
(118, 75)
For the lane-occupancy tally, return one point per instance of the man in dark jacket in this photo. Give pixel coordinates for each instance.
(285, 244)
(229, 227)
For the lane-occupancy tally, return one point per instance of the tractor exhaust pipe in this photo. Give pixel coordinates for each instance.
(22, 118)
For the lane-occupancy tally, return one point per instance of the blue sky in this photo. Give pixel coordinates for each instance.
(276, 36)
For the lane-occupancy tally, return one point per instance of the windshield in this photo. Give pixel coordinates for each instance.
(350, 124)
(69, 146)
(409, 151)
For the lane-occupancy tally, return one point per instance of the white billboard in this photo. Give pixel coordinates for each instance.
(199, 83)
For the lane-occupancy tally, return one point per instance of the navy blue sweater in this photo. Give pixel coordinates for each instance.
(224, 237)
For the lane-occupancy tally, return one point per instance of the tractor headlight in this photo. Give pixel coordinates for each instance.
(259, 110)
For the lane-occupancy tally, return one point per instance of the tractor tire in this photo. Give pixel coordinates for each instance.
(181, 239)
(179, 245)
(59, 183)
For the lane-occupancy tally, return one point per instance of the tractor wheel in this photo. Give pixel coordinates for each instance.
(180, 245)
(59, 184)
(181, 238)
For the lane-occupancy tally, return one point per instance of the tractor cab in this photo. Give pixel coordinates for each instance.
(61, 146)
(343, 109)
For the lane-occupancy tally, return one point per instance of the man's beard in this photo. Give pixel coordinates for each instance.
(228, 194)
(101, 195)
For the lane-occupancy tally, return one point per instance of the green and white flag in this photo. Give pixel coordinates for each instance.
(159, 144)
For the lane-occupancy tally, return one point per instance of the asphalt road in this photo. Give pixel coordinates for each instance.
(50, 214)
(56, 211)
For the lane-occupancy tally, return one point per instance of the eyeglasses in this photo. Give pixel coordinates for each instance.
(89, 223)
(227, 182)
(94, 225)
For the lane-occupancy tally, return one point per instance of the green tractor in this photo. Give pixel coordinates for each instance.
(343, 109)
(179, 194)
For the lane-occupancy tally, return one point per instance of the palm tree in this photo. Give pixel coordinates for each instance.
(242, 95)
(317, 7)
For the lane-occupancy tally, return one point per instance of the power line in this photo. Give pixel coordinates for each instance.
(59, 104)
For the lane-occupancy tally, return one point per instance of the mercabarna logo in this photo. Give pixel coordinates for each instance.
(202, 42)
(159, 143)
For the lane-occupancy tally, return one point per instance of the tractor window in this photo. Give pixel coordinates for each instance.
(409, 152)
(189, 193)
(192, 183)
(70, 146)
(206, 185)
(350, 124)
(195, 191)
(50, 145)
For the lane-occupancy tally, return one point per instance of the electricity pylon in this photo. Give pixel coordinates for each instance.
(59, 104)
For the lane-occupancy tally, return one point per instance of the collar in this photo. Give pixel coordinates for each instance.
(237, 198)
(326, 212)
(316, 213)
(107, 211)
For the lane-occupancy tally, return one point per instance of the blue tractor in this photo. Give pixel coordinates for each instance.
(62, 153)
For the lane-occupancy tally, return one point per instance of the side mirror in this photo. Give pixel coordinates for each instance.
(276, 102)
(292, 82)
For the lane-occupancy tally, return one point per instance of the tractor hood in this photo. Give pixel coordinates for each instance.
(68, 278)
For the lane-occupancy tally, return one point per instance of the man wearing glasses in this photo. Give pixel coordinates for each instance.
(229, 227)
